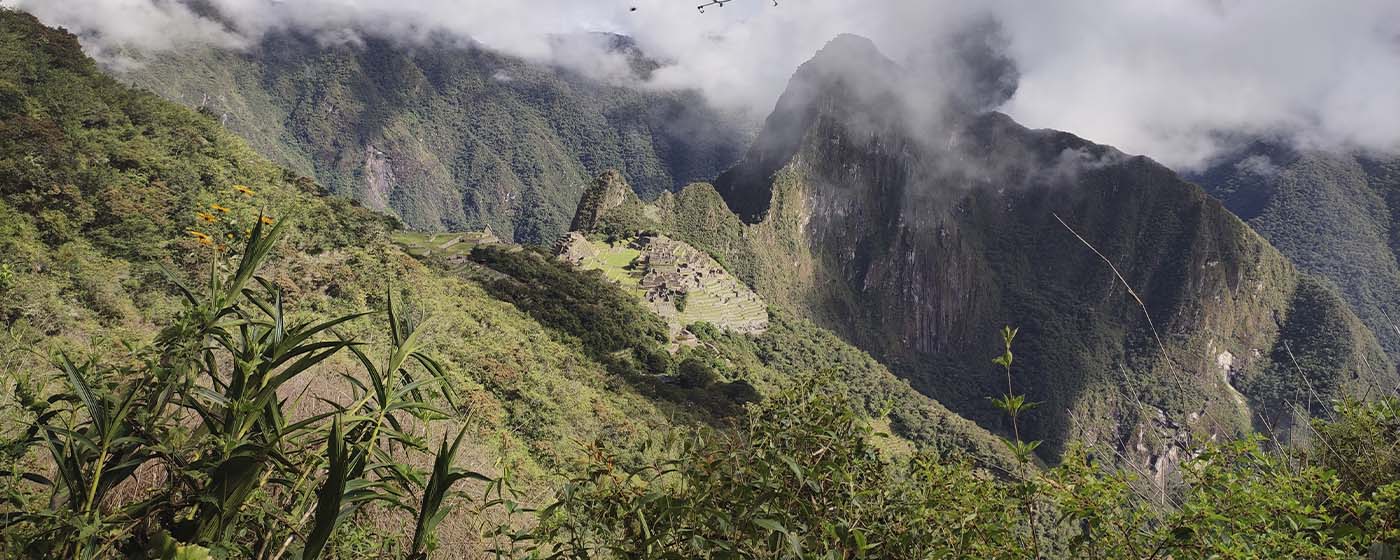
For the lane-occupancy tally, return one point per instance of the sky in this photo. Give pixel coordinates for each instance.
(1181, 81)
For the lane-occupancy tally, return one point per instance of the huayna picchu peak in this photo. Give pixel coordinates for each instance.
(917, 244)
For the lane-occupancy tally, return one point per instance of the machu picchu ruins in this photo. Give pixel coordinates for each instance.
(682, 284)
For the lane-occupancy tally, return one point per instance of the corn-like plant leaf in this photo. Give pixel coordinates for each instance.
(332, 493)
(431, 513)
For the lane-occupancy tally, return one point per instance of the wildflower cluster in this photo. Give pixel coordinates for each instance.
(220, 224)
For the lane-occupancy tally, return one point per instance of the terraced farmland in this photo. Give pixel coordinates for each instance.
(442, 245)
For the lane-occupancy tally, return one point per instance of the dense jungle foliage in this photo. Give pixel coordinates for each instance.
(1332, 214)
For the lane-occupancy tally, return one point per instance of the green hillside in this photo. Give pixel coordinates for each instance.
(205, 356)
(114, 201)
(446, 136)
(1332, 214)
(105, 192)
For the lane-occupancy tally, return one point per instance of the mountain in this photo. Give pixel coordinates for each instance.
(917, 234)
(447, 135)
(1334, 214)
(208, 356)
(109, 196)
(112, 198)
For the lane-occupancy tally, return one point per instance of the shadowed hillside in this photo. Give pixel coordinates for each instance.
(1332, 214)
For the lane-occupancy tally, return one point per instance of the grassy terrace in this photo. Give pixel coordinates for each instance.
(446, 245)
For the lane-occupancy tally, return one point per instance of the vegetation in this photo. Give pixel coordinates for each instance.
(201, 410)
(102, 192)
(441, 246)
(605, 322)
(920, 263)
(1330, 213)
(803, 478)
(449, 138)
(191, 373)
(792, 348)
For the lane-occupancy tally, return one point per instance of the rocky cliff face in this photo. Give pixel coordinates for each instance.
(918, 233)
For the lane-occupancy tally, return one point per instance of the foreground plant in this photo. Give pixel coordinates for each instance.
(204, 412)
(803, 480)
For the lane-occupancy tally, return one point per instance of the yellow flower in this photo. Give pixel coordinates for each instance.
(201, 237)
(245, 190)
(219, 209)
(267, 220)
(206, 217)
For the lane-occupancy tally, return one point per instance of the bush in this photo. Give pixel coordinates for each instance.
(586, 306)
(695, 373)
(201, 406)
(656, 360)
(803, 480)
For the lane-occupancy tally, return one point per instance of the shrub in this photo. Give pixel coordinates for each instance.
(695, 373)
(802, 479)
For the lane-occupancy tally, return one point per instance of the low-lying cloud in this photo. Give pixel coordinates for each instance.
(1176, 80)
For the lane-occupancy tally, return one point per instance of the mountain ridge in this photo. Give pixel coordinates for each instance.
(919, 251)
(1333, 213)
(448, 136)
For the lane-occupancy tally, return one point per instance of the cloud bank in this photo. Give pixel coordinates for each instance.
(1178, 81)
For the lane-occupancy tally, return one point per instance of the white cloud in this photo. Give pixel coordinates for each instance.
(1168, 79)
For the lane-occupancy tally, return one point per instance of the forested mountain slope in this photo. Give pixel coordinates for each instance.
(445, 134)
(111, 198)
(918, 244)
(1332, 214)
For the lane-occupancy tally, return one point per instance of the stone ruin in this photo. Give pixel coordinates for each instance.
(666, 270)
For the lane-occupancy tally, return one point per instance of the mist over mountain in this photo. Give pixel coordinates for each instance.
(1172, 82)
